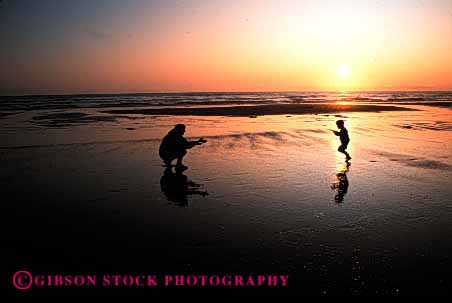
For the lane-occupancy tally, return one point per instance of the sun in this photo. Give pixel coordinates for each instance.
(344, 71)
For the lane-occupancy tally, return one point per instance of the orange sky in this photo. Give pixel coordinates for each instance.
(236, 46)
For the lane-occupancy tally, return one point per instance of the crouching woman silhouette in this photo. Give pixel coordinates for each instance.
(174, 146)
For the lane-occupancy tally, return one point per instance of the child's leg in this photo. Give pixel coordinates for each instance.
(341, 149)
(347, 156)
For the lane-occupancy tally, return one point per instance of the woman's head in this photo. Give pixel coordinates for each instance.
(179, 129)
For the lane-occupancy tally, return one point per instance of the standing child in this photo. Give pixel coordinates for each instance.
(343, 135)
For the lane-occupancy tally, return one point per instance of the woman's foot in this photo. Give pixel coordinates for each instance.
(180, 168)
(167, 164)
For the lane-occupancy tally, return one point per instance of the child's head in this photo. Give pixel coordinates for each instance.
(340, 123)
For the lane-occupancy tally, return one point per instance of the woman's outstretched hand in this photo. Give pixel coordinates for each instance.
(201, 141)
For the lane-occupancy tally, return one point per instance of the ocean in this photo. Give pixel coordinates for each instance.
(49, 102)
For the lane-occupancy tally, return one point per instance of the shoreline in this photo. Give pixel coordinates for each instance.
(261, 110)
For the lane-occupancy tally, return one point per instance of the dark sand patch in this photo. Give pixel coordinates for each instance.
(447, 104)
(32, 146)
(301, 133)
(277, 136)
(56, 116)
(317, 131)
(73, 118)
(260, 110)
(238, 136)
(252, 139)
(2, 115)
(433, 125)
(281, 137)
(414, 161)
(431, 164)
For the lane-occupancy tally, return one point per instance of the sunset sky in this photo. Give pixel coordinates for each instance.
(111, 46)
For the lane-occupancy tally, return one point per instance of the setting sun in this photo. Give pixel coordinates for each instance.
(344, 71)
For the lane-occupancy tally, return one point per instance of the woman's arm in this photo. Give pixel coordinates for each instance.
(191, 144)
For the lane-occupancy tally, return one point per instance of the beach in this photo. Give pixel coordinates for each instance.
(257, 148)
(267, 194)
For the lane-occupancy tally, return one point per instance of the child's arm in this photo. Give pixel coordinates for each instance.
(335, 132)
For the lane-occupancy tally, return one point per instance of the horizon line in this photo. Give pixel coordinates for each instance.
(230, 92)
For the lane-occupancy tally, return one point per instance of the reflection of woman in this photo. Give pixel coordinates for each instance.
(177, 187)
(341, 184)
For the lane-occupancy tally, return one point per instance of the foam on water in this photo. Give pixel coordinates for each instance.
(54, 102)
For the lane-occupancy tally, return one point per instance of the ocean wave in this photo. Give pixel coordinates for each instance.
(57, 102)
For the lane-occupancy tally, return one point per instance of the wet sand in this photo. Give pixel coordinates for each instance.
(267, 195)
(260, 110)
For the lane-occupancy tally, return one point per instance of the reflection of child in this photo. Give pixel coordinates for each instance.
(343, 135)
(341, 184)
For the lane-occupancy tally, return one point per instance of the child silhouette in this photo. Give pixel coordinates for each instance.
(345, 139)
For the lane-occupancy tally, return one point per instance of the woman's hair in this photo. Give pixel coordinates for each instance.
(179, 128)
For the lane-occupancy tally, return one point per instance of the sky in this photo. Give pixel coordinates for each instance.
(116, 46)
